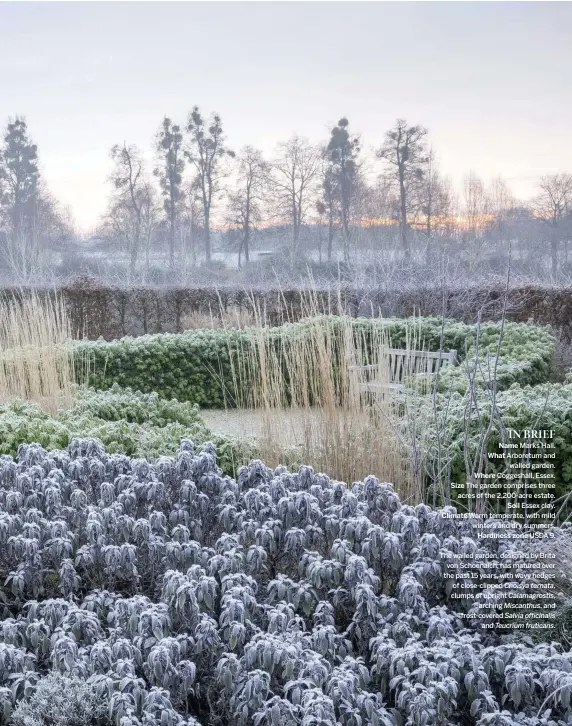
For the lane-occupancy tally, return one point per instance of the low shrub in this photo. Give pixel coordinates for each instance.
(128, 422)
(186, 598)
(25, 423)
(123, 404)
(525, 356)
(191, 367)
(58, 700)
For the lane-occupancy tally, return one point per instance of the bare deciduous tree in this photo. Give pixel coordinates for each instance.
(293, 176)
(205, 151)
(501, 198)
(404, 150)
(245, 204)
(476, 210)
(436, 197)
(127, 202)
(132, 215)
(150, 216)
(552, 204)
(191, 221)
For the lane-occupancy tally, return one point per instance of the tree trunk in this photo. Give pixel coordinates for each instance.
(172, 240)
(207, 236)
(294, 250)
(134, 250)
(346, 238)
(132, 262)
(428, 232)
(330, 237)
(403, 214)
(147, 254)
(554, 254)
(247, 245)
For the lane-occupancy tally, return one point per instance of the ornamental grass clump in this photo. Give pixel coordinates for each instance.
(308, 385)
(36, 359)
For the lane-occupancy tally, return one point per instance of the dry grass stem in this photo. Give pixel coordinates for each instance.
(308, 386)
(36, 360)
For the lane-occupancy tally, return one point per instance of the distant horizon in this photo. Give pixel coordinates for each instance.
(488, 80)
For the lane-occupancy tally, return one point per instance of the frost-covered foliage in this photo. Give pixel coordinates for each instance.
(58, 700)
(201, 365)
(546, 406)
(179, 595)
(124, 421)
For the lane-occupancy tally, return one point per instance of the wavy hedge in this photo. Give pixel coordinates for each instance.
(199, 366)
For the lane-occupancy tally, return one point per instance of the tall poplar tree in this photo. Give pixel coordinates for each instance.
(342, 158)
(170, 174)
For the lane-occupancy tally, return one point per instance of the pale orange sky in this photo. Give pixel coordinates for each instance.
(491, 81)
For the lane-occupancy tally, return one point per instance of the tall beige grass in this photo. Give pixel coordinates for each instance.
(224, 319)
(36, 359)
(308, 387)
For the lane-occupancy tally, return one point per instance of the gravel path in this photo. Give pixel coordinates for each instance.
(246, 423)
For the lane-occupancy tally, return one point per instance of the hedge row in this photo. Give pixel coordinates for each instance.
(98, 310)
(200, 366)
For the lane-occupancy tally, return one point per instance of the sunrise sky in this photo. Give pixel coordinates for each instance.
(491, 81)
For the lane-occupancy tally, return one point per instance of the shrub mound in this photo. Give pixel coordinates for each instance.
(200, 366)
(124, 421)
(182, 596)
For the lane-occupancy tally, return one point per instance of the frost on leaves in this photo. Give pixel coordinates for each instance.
(163, 593)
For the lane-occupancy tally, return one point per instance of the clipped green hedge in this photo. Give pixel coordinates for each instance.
(132, 423)
(190, 367)
(525, 357)
(198, 366)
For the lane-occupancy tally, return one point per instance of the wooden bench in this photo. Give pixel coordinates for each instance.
(398, 359)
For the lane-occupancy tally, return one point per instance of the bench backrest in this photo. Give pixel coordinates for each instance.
(411, 362)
